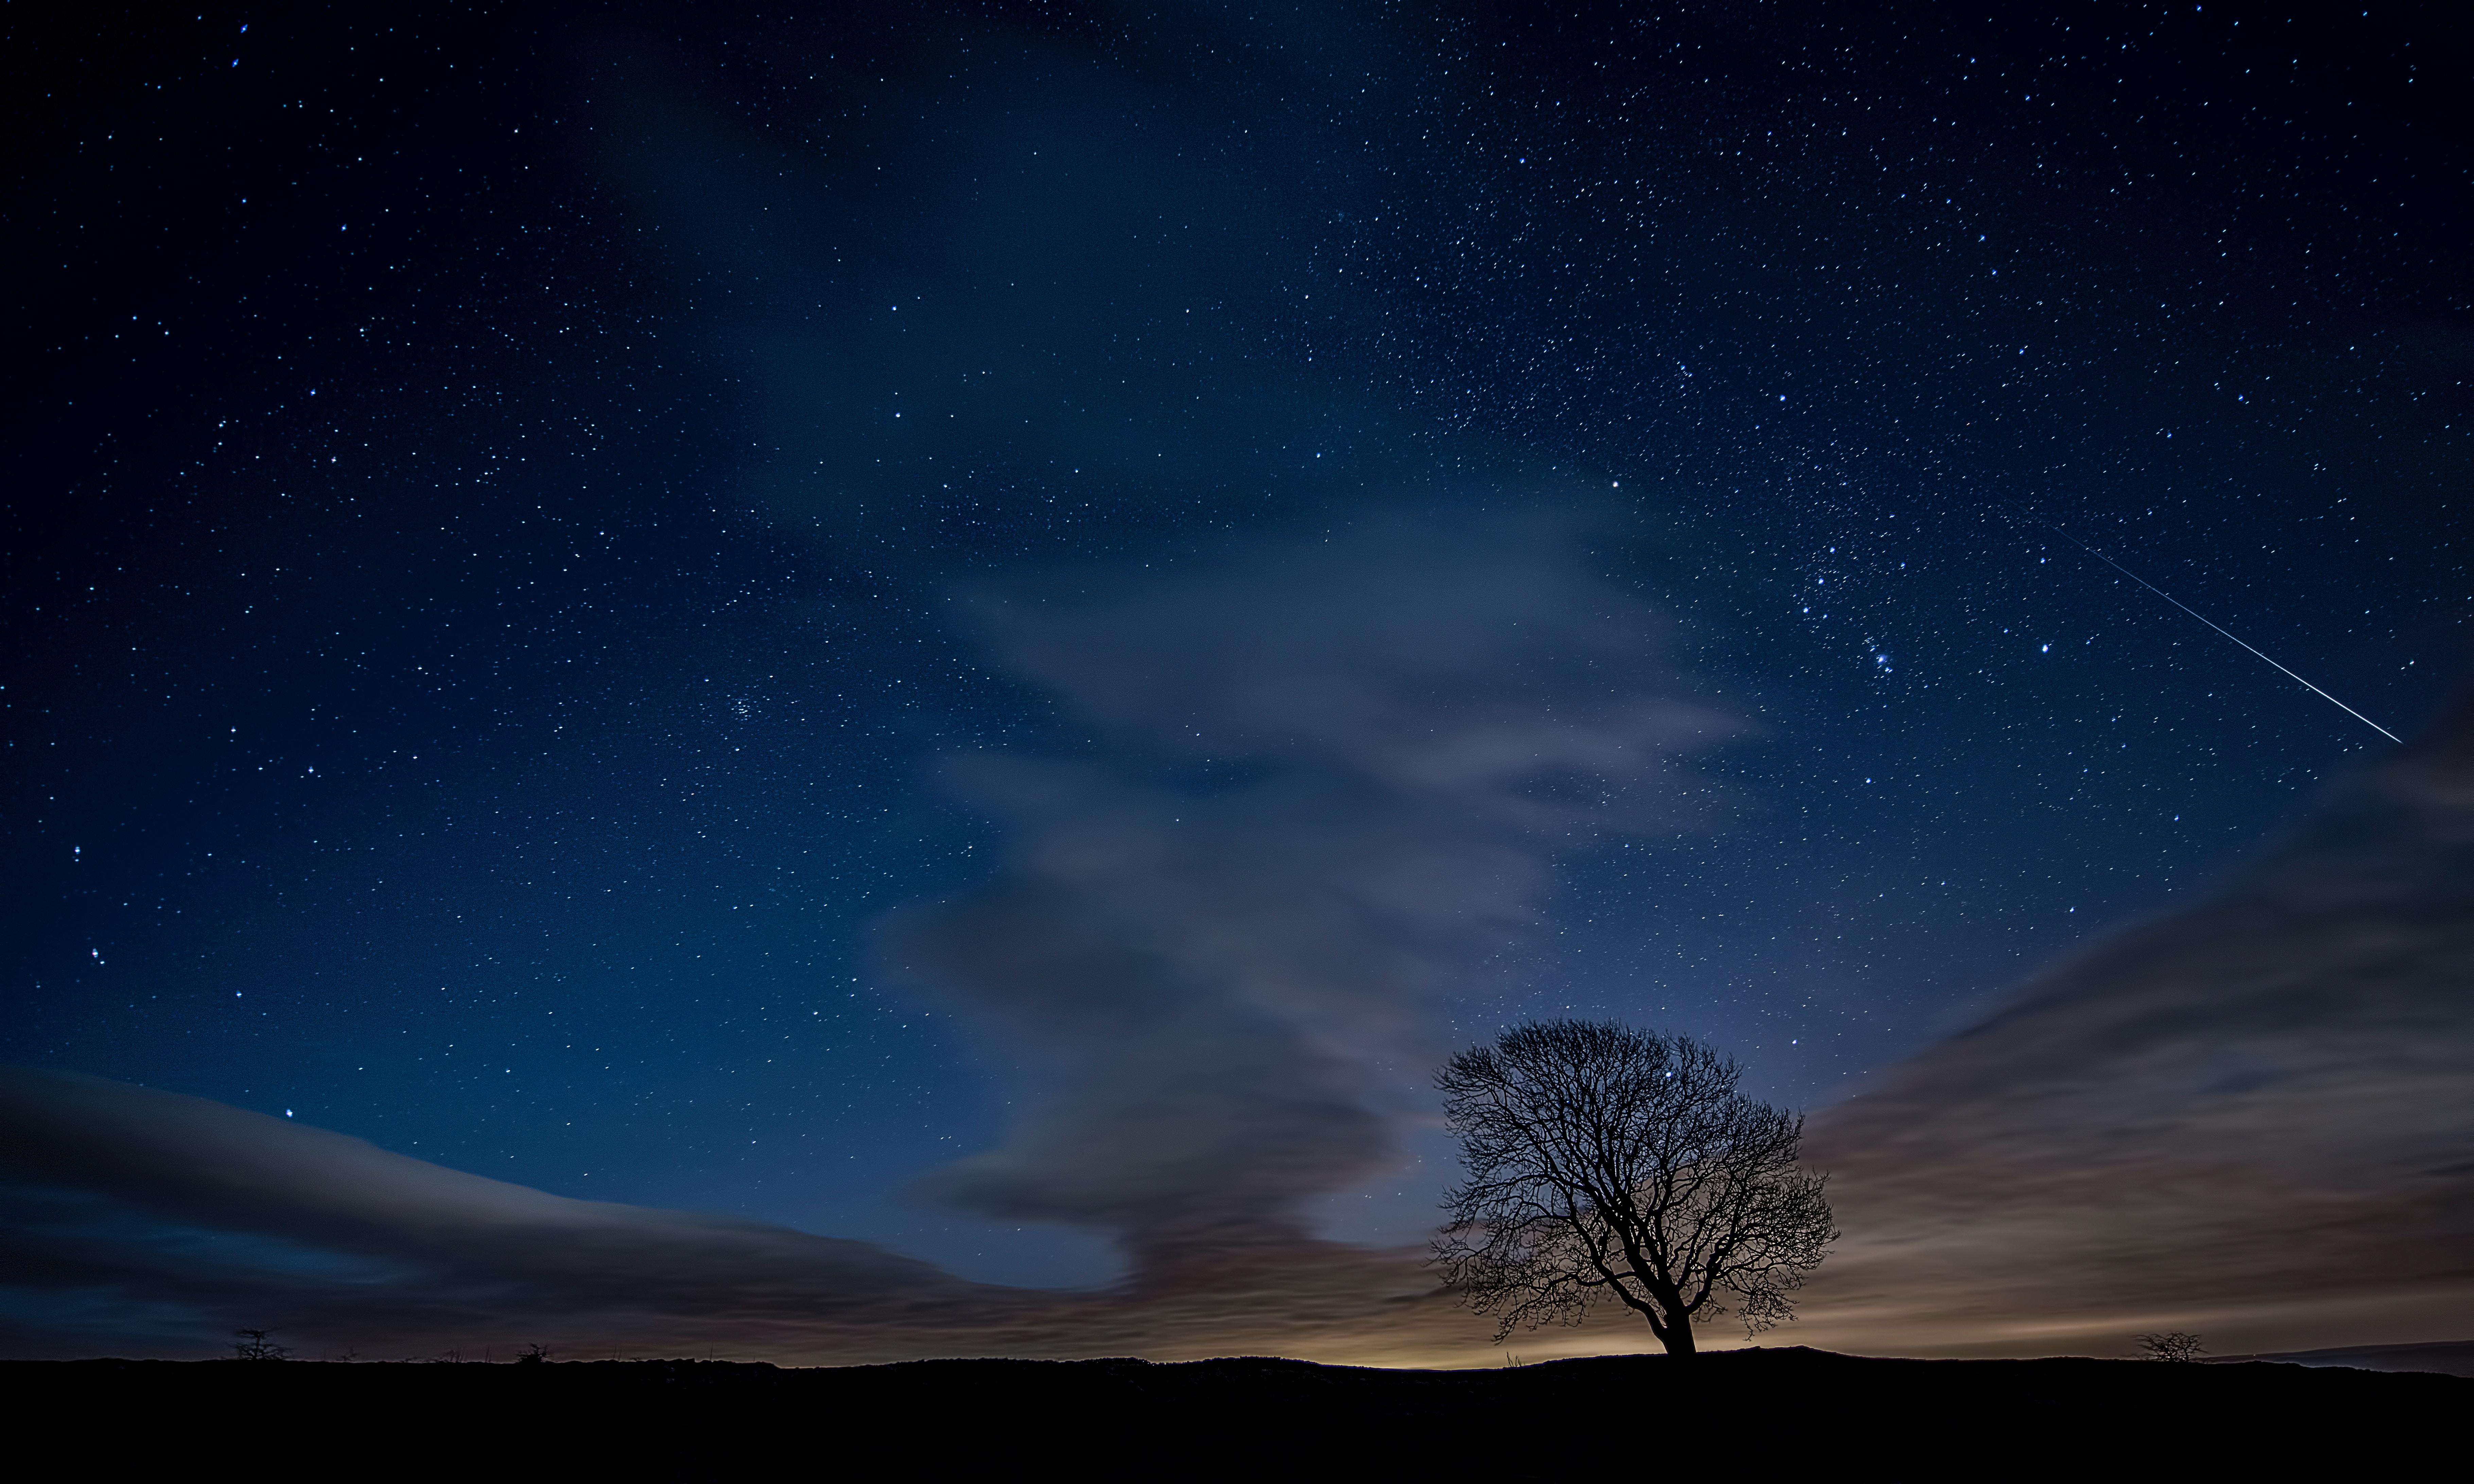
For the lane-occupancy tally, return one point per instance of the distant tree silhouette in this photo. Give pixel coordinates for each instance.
(258, 1345)
(1605, 1161)
(2175, 1345)
(533, 1355)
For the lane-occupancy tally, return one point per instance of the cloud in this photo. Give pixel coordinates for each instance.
(144, 1222)
(1319, 772)
(1321, 769)
(147, 1200)
(2254, 1119)
(1066, 297)
(2250, 1119)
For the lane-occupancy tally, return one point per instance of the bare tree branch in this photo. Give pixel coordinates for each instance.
(1604, 1160)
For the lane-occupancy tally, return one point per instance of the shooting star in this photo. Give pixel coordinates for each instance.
(2205, 619)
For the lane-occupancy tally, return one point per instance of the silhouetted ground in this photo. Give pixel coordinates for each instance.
(1746, 1414)
(2448, 1358)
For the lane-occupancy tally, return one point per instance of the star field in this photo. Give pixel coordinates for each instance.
(497, 496)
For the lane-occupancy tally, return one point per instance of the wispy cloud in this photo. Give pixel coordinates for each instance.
(143, 1222)
(2252, 1119)
(1320, 769)
(130, 1201)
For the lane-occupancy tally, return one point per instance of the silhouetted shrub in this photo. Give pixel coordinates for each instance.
(2174, 1345)
(258, 1345)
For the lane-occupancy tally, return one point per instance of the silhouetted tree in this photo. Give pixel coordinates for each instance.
(1610, 1163)
(2174, 1345)
(258, 1345)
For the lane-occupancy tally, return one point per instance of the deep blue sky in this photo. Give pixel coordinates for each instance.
(482, 649)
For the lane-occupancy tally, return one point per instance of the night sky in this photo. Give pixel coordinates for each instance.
(985, 628)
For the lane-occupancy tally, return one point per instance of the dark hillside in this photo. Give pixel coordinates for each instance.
(2447, 1357)
(1747, 1414)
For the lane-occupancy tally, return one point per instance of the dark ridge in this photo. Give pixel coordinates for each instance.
(1753, 1414)
(2440, 1357)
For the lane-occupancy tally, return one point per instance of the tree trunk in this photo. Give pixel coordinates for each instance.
(1678, 1336)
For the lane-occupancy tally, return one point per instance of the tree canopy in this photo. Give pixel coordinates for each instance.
(1609, 1163)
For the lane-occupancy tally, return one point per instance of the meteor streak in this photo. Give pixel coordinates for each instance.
(2205, 619)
